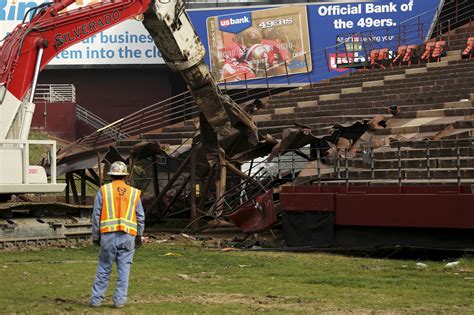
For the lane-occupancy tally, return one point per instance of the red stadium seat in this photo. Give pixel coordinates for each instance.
(468, 51)
(429, 47)
(411, 50)
(438, 50)
(383, 53)
(400, 54)
(377, 57)
(373, 56)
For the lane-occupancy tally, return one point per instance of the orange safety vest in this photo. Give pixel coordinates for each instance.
(119, 204)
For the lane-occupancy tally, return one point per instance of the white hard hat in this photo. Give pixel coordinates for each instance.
(118, 168)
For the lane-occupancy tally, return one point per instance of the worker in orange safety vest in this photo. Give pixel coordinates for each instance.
(117, 227)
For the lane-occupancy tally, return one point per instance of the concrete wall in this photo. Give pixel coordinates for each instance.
(112, 93)
(58, 119)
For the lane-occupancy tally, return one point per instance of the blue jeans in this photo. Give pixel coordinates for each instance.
(116, 247)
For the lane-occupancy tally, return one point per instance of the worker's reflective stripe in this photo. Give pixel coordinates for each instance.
(125, 226)
(131, 204)
(107, 223)
(118, 227)
(109, 201)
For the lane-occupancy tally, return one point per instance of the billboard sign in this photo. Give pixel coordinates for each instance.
(321, 26)
(259, 44)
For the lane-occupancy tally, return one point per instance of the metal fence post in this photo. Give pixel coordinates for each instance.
(328, 62)
(347, 168)
(399, 36)
(183, 111)
(418, 28)
(141, 125)
(246, 86)
(118, 131)
(307, 68)
(428, 160)
(279, 167)
(399, 167)
(458, 166)
(293, 165)
(372, 162)
(266, 78)
(318, 165)
(97, 139)
(287, 75)
(404, 35)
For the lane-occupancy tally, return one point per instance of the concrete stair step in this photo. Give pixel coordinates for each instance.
(432, 127)
(453, 52)
(400, 98)
(440, 112)
(368, 107)
(459, 104)
(464, 124)
(180, 129)
(451, 57)
(269, 120)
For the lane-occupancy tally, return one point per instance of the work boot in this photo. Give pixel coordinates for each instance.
(94, 304)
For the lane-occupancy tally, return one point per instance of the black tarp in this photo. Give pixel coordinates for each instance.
(308, 228)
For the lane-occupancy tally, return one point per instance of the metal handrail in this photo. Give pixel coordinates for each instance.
(89, 118)
(55, 93)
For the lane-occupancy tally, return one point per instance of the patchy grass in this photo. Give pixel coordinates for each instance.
(38, 151)
(197, 280)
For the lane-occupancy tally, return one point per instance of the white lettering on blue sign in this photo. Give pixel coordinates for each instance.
(235, 23)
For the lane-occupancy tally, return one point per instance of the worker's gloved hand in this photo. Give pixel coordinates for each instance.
(96, 242)
(138, 241)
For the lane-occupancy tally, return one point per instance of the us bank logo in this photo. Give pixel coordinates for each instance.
(235, 23)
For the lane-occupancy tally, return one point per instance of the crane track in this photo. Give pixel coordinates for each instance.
(36, 224)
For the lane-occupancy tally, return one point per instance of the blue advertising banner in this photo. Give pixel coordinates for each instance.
(382, 23)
